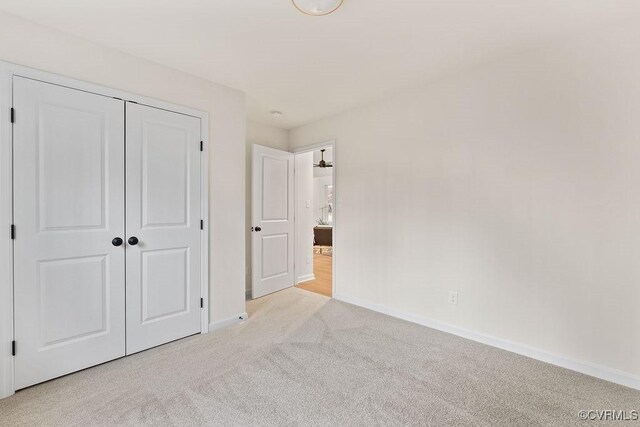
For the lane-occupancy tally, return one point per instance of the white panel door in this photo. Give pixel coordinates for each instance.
(273, 225)
(68, 207)
(163, 226)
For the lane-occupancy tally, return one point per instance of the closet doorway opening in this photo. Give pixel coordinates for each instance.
(315, 213)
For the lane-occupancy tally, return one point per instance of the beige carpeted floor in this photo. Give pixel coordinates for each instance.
(302, 359)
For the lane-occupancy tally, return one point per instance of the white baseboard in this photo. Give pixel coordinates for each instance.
(587, 368)
(306, 278)
(224, 323)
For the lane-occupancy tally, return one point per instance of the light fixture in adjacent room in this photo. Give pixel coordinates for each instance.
(322, 164)
(277, 114)
(317, 7)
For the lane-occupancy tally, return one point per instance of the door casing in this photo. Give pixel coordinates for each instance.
(305, 149)
(7, 71)
(338, 202)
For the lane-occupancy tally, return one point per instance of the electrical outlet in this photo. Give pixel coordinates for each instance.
(308, 260)
(308, 203)
(453, 297)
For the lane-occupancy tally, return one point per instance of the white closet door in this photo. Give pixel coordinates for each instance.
(68, 206)
(272, 240)
(163, 216)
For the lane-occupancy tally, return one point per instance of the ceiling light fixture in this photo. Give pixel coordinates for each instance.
(277, 114)
(317, 7)
(322, 164)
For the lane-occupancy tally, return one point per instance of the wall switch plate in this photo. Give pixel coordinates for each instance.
(308, 260)
(308, 203)
(453, 297)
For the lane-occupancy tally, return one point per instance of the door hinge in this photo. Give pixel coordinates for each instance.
(13, 115)
(13, 348)
(13, 232)
(201, 302)
(201, 146)
(202, 224)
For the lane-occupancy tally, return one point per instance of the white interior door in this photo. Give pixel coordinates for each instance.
(68, 206)
(273, 225)
(163, 226)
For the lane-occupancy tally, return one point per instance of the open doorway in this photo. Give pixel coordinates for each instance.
(315, 219)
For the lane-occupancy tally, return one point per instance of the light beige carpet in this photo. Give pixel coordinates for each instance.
(302, 359)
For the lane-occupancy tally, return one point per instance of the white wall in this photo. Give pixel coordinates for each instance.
(304, 216)
(42, 48)
(267, 136)
(319, 200)
(516, 184)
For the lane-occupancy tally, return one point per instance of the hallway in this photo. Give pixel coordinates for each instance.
(322, 270)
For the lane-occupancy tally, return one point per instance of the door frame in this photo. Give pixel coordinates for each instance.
(7, 71)
(336, 205)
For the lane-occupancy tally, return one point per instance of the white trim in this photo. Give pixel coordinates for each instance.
(7, 71)
(6, 244)
(204, 242)
(336, 206)
(587, 368)
(315, 147)
(225, 323)
(47, 77)
(306, 278)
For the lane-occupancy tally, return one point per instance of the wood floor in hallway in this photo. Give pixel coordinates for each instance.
(322, 270)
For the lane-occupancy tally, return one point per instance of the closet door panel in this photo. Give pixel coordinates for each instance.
(68, 206)
(163, 216)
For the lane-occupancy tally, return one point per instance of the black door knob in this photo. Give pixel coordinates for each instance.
(116, 241)
(258, 229)
(133, 240)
